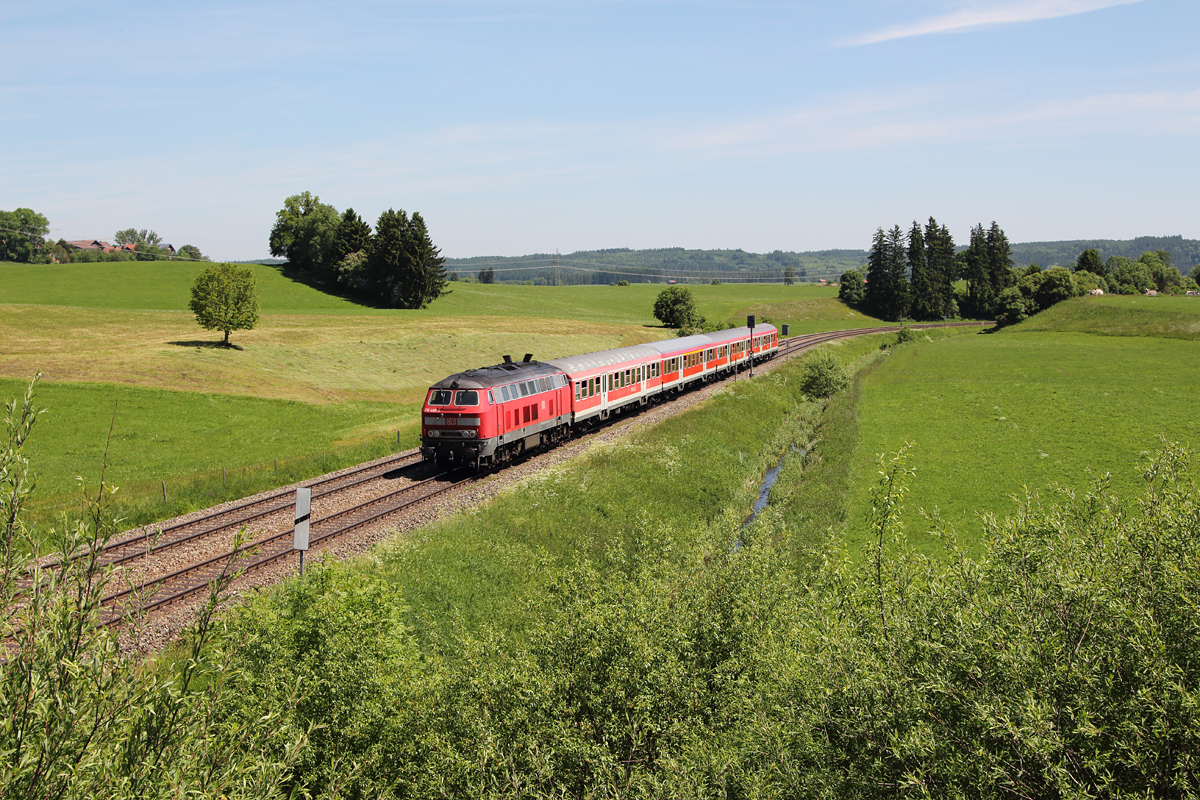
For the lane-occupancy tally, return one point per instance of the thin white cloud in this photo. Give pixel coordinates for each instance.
(979, 15)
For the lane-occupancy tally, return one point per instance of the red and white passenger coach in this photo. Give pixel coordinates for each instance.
(487, 416)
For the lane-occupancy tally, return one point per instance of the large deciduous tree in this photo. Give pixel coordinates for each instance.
(23, 236)
(675, 307)
(404, 268)
(225, 298)
(852, 287)
(305, 233)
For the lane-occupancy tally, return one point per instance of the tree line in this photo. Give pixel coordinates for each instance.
(922, 276)
(23, 239)
(395, 265)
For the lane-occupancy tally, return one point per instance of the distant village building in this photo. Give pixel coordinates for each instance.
(90, 244)
(1193, 294)
(1151, 293)
(1096, 292)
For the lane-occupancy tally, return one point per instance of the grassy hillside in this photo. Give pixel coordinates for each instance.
(989, 414)
(333, 374)
(1121, 315)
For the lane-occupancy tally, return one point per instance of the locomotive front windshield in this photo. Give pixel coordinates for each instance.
(463, 397)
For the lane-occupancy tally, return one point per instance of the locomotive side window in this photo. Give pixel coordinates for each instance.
(491, 400)
(439, 397)
(466, 397)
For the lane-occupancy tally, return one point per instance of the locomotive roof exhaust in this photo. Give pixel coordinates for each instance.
(528, 358)
(508, 359)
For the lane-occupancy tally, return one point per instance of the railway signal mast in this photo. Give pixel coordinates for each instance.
(750, 325)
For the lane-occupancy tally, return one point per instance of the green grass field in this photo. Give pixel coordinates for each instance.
(319, 372)
(989, 414)
(1122, 315)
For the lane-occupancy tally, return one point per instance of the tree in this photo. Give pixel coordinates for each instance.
(927, 302)
(135, 237)
(1164, 276)
(852, 287)
(304, 233)
(353, 235)
(942, 265)
(887, 287)
(1089, 261)
(23, 236)
(789, 276)
(1128, 276)
(404, 268)
(675, 307)
(225, 298)
(487, 275)
(1056, 285)
(192, 252)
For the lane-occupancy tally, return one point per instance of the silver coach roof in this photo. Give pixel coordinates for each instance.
(668, 346)
(604, 358)
(736, 333)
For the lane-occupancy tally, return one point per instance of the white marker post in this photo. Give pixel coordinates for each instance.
(303, 512)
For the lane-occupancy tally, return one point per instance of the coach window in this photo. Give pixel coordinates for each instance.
(578, 395)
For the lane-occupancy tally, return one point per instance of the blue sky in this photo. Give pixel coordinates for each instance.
(519, 127)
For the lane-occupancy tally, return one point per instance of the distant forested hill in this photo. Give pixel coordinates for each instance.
(739, 266)
(1186, 252)
(660, 266)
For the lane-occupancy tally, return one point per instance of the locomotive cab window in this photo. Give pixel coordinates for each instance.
(466, 397)
(439, 397)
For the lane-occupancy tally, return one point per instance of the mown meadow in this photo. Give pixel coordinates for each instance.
(321, 382)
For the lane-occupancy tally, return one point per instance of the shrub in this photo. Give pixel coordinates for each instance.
(824, 375)
(905, 335)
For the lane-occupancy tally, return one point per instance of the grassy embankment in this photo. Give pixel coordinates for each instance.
(1033, 405)
(319, 384)
(693, 472)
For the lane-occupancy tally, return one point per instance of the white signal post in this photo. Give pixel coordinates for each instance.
(303, 513)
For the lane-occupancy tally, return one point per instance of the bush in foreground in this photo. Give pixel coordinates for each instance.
(824, 375)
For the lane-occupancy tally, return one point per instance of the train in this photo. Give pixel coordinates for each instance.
(486, 417)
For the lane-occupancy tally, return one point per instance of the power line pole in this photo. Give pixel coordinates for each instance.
(557, 264)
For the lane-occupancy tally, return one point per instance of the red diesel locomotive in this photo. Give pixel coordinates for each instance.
(485, 417)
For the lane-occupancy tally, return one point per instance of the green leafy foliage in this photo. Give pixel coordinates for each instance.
(83, 720)
(23, 236)
(305, 233)
(225, 298)
(823, 375)
(852, 289)
(675, 307)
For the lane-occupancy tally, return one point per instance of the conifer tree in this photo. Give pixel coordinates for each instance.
(980, 295)
(942, 265)
(875, 295)
(404, 268)
(999, 256)
(926, 301)
(353, 235)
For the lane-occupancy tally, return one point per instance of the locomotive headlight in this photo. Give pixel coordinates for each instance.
(434, 434)
(469, 434)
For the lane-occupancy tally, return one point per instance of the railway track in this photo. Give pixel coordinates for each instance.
(192, 579)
